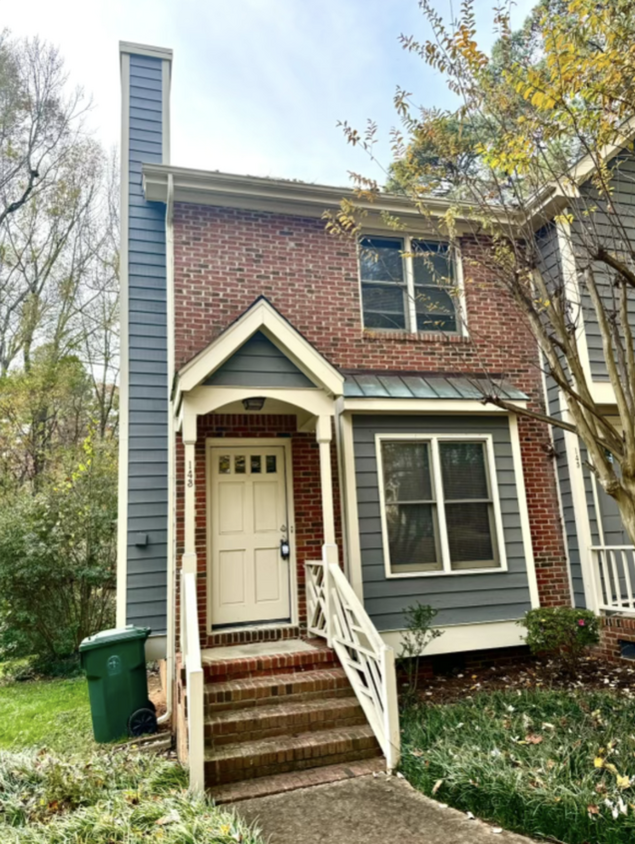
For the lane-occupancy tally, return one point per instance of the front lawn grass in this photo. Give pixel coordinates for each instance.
(116, 797)
(553, 764)
(53, 714)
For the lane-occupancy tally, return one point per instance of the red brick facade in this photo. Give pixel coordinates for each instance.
(226, 258)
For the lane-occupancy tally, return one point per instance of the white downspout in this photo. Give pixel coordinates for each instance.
(171, 573)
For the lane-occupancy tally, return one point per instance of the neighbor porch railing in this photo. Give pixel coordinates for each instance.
(336, 614)
(191, 654)
(614, 577)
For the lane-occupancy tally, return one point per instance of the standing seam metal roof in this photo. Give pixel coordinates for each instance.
(375, 385)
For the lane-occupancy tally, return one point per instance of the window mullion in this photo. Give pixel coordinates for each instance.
(411, 303)
(438, 492)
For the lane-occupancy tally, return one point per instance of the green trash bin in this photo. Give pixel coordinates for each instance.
(115, 666)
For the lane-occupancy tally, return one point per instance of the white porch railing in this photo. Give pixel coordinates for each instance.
(336, 613)
(614, 577)
(191, 653)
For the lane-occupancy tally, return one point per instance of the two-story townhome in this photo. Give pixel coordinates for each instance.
(306, 453)
(599, 551)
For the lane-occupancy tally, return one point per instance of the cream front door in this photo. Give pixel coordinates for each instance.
(250, 577)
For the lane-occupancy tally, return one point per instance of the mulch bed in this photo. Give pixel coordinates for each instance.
(593, 674)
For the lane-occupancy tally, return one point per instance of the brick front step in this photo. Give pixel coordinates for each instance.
(279, 755)
(263, 691)
(260, 666)
(279, 783)
(256, 723)
(226, 638)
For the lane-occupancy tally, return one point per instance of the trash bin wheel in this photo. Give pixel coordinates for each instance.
(141, 722)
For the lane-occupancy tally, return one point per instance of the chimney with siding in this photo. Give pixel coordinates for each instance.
(143, 458)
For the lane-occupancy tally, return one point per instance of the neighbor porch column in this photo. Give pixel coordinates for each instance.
(189, 545)
(323, 434)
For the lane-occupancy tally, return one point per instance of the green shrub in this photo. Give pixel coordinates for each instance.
(58, 561)
(563, 632)
(416, 637)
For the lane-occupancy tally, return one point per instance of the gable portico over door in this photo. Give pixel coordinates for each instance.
(250, 515)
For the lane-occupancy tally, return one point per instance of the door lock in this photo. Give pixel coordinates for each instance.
(285, 549)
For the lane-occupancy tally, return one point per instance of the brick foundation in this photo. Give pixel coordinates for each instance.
(613, 629)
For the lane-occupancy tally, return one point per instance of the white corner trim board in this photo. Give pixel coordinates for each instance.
(122, 513)
(465, 637)
(521, 494)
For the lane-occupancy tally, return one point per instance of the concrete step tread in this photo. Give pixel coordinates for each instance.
(280, 783)
(313, 651)
(287, 709)
(227, 686)
(280, 744)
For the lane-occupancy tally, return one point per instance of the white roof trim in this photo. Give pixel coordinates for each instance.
(145, 50)
(229, 190)
(448, 406)
(262, 317)
(581, 171)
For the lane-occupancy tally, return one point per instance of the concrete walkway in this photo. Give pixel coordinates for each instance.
(366, 810)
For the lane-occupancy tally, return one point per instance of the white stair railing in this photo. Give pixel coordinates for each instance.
(614, 577)
(336, 613)
(191, 653)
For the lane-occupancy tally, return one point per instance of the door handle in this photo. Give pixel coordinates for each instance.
(285, 549)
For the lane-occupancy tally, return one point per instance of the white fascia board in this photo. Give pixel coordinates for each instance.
(465, 637)
(240, 191)
(581, 171)
(145, 50)
(262, 317)
(467, 406)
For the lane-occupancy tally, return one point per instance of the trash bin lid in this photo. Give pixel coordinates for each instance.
(117, 634)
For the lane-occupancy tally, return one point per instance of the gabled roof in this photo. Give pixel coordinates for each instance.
(262, 317)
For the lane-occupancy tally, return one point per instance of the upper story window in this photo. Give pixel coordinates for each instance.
(408, 285)
(439, 504)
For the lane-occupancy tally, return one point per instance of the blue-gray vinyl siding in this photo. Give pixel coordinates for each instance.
(148, 371)
(258, 363)
(459, 598)
(598, 224)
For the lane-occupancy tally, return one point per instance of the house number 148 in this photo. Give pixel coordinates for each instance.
(190, 475)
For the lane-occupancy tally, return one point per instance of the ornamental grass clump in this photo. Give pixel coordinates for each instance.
(108, 798)
(564, 633)
(548, 764)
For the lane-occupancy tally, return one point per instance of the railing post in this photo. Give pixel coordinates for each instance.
(191, 652)
(392, 734)
(196, 729)
(329, 555)
(595, 578)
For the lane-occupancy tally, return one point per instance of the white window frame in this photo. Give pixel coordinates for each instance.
(411, 308)
(434, 439)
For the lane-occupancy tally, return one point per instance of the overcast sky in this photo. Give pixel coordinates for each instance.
(258, 85)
